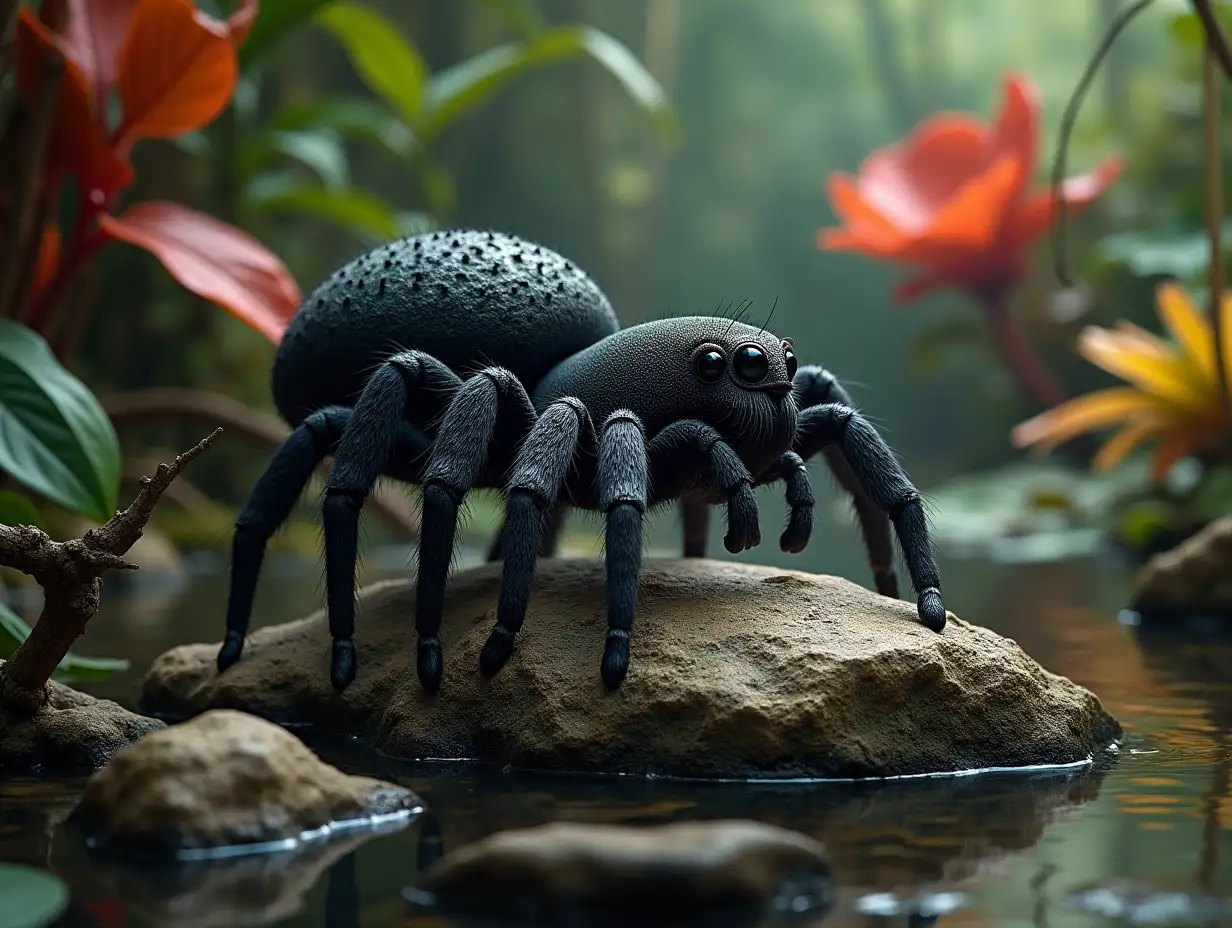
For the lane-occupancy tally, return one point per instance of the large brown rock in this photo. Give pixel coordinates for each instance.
(71, 733)
(226, 780)
(1192, 578)
(736, 669)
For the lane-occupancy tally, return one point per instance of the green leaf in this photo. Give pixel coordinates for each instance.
(523, 15)
(1183, 255)
(1186, 28)
(73, 668)
(319, 150)
(456, 90)
(352, 118)
(32, 897)
(275, 18)
(352, 208)
(54, 436)
(16, 509)
(389, 64)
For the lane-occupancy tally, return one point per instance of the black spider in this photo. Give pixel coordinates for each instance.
(469, 359)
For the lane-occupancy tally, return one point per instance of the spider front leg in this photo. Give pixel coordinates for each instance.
(532, 515)
(889, 487)
(816, 386)
(407, 381)
(623, 494)
(492, 403)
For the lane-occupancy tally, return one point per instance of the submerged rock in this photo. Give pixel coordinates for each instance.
(1193, 578)
(569, 870)
(71, 733)
(226, 780)
(736, 670)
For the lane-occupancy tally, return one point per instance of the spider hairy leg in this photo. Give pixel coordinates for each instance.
(623, 494)
(458, 456)
(530, 502)
(889, 487)
(794, 471)
(815, 386)
(407, 380)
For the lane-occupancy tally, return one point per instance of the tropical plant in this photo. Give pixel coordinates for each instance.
(953, 201)
(413, 110)
(1174, 395)
(96, 79)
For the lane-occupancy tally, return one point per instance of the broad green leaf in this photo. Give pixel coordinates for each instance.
(275, 18)
(32, 897)
(16, 509)
(1187, 29)
(320, 150)
(73, 668)
(456, 90)
(352, 208)
(381, 55)
(54, 436)
(352, 118)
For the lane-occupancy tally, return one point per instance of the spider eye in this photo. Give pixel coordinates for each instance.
(710, 365)
(790, 358)
(750, 364)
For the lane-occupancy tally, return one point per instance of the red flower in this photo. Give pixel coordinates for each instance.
(173, 70)
(953, 199)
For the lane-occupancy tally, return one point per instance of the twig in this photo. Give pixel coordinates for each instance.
(17, 270)
(70, 573)
(1213, 202)
(1216, 41)
(161, 404)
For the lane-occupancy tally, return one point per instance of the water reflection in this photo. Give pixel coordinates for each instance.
(253, 890)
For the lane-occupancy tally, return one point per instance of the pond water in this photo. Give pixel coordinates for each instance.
(1140, 837)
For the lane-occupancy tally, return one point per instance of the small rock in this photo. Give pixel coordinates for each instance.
(568, 869)
(72, 733)
(226, 780)
(737, 669)
(1195, 577)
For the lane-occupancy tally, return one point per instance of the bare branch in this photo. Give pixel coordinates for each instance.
(70, 574)
(1215, 38)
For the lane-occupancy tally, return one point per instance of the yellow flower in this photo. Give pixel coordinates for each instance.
(1174, 394)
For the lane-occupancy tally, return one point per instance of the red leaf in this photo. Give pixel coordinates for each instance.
(241, 19)
(94, 37)
(212, 259)
(48, 262)
(78, 144)
(177, 70)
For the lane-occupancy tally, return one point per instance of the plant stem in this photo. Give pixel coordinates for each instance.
(1216, 41)
(1020, 356)
(70, 573)
(1213, 202)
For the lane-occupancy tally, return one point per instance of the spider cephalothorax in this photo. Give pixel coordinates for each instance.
(466, 360)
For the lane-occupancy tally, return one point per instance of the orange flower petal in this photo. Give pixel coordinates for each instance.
(1082, 414)
(177, 70)
(971, 219)
(872, 246)
(854, 211)
(1126, 440)
(239, 23)
(1039, 210)
(1015, 132)
(910, 182)
(910, 290)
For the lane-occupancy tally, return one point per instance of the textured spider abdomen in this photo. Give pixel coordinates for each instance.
(469, 298)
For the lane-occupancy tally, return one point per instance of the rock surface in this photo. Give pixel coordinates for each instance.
(736, 669)
(1194, 577)
(222, 780)
(569, 868)
(73, 732)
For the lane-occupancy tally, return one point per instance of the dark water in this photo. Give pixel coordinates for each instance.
(1141, 836)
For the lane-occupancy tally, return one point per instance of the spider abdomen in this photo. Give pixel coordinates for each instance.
(468, 298)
